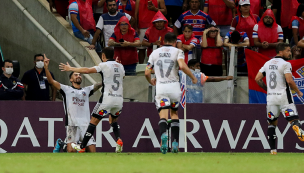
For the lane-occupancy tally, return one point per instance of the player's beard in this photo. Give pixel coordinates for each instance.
(78, 81)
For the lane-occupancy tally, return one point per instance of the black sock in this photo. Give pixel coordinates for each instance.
(162, 124)
(116, 130)
(297, 123)
(89, 133)
(62, 145)
(64, 148)
(272, 136)
(175, 130)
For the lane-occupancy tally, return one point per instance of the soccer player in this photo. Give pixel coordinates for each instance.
(111, 100)
(166, 62)
(76, 106)
(279, 97)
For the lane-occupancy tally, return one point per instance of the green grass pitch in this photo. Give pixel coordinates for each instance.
(151, 162)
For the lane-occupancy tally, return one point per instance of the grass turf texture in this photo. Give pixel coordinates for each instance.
(151, 162)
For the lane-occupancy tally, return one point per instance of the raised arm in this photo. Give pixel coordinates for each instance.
(50, 79)
(85, 70)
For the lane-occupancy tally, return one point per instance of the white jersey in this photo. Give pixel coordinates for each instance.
(278, 91)
(164, 62)
(112, 75)
(76, 104)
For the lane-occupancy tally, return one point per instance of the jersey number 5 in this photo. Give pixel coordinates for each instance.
(115, 88)
(161, 68)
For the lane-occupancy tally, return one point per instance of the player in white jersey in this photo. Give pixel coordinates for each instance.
(76, 107)
(279, 80)
(111, 100)
(166, 62)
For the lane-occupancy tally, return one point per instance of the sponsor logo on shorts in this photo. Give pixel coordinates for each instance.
(289, 112)
(102, 112)
(69, 137)
(270, 115)
(164, 102)
(174, 104)
(118, 113)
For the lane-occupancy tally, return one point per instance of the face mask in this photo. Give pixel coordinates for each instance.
(39, 64)
(197, 70)
(9, 70)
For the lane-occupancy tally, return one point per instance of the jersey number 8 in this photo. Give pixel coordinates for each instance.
(273, 80)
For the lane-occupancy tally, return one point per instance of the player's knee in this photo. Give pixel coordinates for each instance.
(292, 118)
(95, 118)
(272, 120)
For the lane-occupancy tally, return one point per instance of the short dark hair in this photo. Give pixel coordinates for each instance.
(192, 62)
(71, 74)
(37, 56)
(300, 10)
(189, 27)
(281, 47)
(235, 37)
(170, 37)
(7, 60)
(107, 1)
(109, 53)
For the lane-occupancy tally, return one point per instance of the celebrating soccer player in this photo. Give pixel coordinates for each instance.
(76, 106)
(111, 100)
(166, 62)
(279, 97)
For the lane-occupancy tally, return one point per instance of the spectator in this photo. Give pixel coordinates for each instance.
(256, 6)
(301, 43)
(187, 42)
(107, 23)
(245, 20)
(195, 17)
(155, 34)
(145, 10)
(267, 34)
(296, 52)
(35, 82)
(297, 25)
(126, 37)
(195, 91)
(283, 11)
(82, 21)
(98, 9)
(61, 7)
(10, 87)
(212, 56)
(238, 39)
(221, 13)
(175, 9)
(127, 6)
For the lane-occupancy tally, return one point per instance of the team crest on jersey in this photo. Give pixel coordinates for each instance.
(270, 115)
(164, 102)
(289, 112)
(194, 21)
(14, 82)
(83, 93)
(102, 112)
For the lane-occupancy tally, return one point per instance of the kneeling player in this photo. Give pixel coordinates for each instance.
(76, 106)
(111, 100)
(279, 97)
(166, 62)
